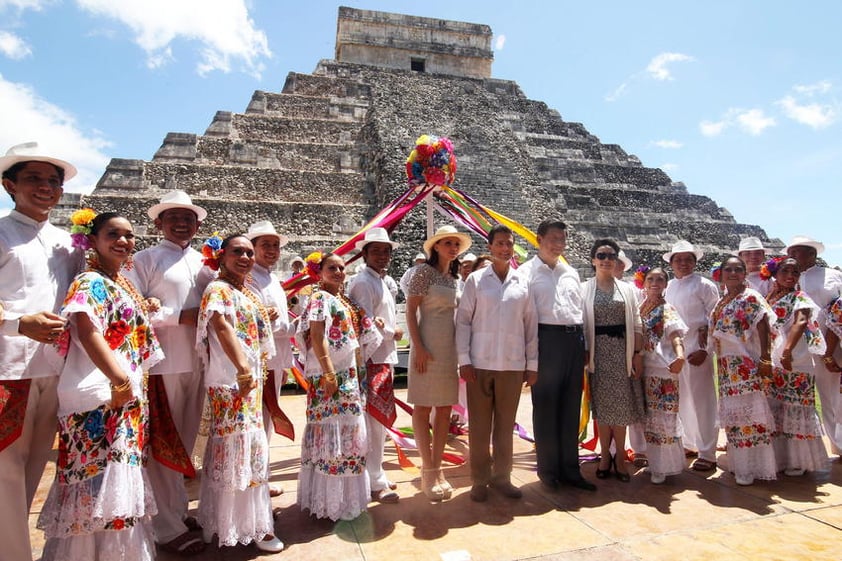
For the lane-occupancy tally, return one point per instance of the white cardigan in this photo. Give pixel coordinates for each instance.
(633, 324)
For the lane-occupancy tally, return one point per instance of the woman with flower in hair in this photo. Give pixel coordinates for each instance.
(234, 340)
(792, 393)
(332, 482)
(100, 504)
(740, 325)
(663, 359)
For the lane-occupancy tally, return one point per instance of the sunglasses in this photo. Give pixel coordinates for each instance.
(733, 270)
(603, 256)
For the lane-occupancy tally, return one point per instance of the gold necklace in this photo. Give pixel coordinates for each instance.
(261, 309)
(724, 301)
(646, 310)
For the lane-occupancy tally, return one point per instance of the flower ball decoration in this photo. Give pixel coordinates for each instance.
(431, 161)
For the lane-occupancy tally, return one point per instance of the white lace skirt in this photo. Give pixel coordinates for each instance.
(664, 448)
(100, 504)
(797, 438)
(747, 420)
(234, 498)
(332, 482)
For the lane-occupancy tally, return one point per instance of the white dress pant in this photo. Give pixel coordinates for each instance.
(186, 395)
(22, 465)
(697, 408)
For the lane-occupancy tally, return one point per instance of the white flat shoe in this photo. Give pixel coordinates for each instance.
(744, 480)
(657, 478)
(794, 472)
(270, 546)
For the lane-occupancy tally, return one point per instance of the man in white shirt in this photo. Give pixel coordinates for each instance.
(751, 251)
(173, 272)
(37, 265)
(824, 286)
(557, 395)
(267, 286)
(694, 297)
(497, 343)
(371, 292)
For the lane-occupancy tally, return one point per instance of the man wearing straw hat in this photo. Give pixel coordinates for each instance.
(173, 272)
(695, 297)
(824, 286)
(371, 292)
(37, 264)
(267, 250)
(751, 251)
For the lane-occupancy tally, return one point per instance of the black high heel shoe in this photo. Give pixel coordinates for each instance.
(604, 473)
(624, 477)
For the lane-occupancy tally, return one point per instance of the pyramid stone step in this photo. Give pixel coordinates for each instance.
(325, 86)
(295, 130)
(274, 154)
(307, 107)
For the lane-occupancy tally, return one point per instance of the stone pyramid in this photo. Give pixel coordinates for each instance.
(322, 156)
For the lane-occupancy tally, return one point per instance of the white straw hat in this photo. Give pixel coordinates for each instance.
(627, 263)
(375, 235)
(265, 228)
(176, 199)
(468, 258)
(26, 153)
(448, 231)
(682, 246)
(750, 243)
(806, 241)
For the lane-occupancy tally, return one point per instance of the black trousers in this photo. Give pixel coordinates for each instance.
(556, 402)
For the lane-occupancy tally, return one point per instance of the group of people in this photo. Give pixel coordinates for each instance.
(140, 359)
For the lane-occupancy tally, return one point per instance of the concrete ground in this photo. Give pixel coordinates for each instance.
(694, 516)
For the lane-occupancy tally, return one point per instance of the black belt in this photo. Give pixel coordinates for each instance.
(562, 328)
(610, 330)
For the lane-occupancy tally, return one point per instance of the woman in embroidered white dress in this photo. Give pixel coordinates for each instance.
(741, 330)
(792, 393)
(100, 505)
(663, 359)
(234, 339)
(332, 482)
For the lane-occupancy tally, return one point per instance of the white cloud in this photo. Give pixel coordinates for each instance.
(499, 42)
(754, 121)
(227, 35)
(656, 69)
(712, 128)
(669, 168)
(671, 144)
(818, 88)
(814, 115)
(658, 66)
(24, 4)
(27, 117)
(13, 46)
(751, 121)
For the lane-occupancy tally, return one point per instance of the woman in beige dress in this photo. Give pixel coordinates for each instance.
(433, 376)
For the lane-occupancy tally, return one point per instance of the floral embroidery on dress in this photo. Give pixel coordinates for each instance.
(790, 303)
(748, 436)
(661, 394)
(90, 440)
(123, 325)
(738, 375)
(739, 315)
(834, 317)
(248, 323)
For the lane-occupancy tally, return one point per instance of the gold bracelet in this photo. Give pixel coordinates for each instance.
(120, 388)
(329, 376)
(766, 362)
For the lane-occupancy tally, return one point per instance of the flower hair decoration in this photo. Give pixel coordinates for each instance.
(313, 264)
(212, 251)
(82, 221)
(640, 275)
(770, 267)
(716, 272)
(431, 161)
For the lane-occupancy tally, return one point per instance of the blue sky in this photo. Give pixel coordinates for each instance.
(740, 100)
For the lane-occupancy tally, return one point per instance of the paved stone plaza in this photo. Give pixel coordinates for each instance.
(692, 517)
